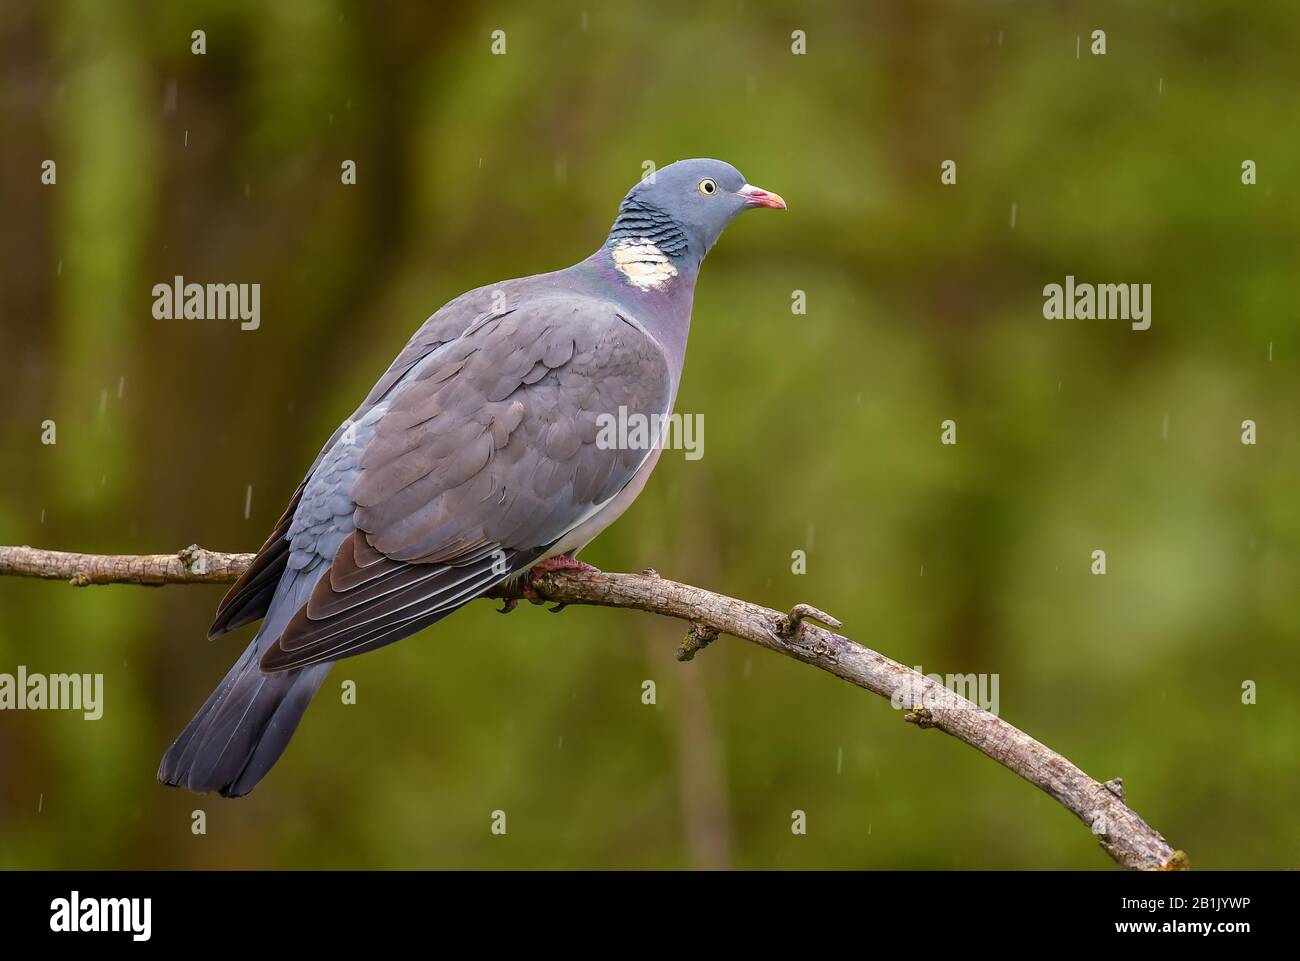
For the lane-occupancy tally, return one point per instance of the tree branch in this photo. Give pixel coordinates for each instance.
(1122, 833)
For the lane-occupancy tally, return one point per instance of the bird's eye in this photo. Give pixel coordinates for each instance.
(708, 186)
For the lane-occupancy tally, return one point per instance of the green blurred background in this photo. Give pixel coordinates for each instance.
(924, 302)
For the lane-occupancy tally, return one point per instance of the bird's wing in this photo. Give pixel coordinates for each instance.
(482, 456)
(249, 597)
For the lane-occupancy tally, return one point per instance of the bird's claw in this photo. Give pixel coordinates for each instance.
(561, 562)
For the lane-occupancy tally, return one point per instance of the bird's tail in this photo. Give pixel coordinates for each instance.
(242, 728)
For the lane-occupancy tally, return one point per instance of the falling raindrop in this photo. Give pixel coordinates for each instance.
(1013, 216)
(187, 138)
(248, 501)
(121, 386)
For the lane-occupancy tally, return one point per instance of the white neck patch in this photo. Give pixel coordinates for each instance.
(643, 264)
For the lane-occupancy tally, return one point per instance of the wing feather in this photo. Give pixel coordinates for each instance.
(484, 456)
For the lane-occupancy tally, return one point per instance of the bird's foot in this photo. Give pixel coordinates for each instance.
(563, 562)
(560, 562)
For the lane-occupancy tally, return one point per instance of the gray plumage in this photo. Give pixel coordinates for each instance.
(474, 457)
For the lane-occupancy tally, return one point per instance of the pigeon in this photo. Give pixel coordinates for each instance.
(476, 459)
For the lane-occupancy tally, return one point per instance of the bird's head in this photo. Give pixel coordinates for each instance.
(683, 208)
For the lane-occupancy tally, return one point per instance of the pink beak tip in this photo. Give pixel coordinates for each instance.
(758, 197)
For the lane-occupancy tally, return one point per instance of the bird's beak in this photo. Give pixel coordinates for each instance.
(758, 197)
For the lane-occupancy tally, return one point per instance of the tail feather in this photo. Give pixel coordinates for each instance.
(242, 728)
(246, 723)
